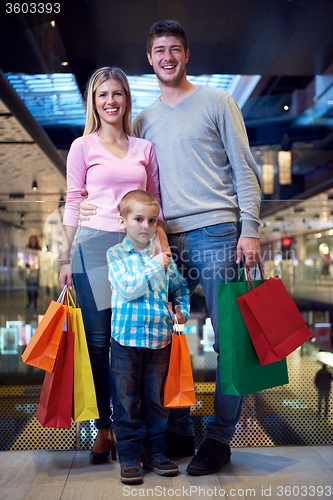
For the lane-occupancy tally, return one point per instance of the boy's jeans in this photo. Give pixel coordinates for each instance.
(138, 376)
(207, 256)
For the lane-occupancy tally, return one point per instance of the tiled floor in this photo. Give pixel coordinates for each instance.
(273, 472)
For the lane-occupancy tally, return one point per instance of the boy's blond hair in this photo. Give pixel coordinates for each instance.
(136, 196)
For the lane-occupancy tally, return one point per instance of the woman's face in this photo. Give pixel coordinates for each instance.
(33, 241)
(110, 103)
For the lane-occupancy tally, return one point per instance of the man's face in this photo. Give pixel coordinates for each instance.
(168, 59)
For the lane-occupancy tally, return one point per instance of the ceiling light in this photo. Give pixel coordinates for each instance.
(319, 235)
(34, 185)
(53, 24)
(64, 63)
(286, 107)
(299, 209)
(284, 167)
(22, 218)
(267, 178)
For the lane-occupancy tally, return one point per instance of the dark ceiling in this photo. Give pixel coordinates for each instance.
(266, 37)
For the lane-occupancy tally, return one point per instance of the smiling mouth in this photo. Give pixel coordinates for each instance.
(169, 67)
(111, 111)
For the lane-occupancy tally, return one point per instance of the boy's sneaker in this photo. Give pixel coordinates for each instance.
(130, 472)
(159, 463)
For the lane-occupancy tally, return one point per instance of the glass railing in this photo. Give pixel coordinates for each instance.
(297, 245)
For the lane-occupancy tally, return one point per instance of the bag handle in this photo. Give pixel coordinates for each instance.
(70, 300)
(249, 277)
(61, 297)
(178, 329)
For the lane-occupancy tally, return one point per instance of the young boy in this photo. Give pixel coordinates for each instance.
(141, 329)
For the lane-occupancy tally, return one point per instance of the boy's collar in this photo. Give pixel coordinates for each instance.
(129, 247)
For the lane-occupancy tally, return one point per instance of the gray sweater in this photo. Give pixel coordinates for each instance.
(207, 172)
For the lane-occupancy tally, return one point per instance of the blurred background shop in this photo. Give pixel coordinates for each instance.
(275, 57)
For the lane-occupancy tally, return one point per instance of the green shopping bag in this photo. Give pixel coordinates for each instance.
(240, 368)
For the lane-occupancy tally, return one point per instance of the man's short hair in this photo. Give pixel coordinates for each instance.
(136, 196)
(166, 28)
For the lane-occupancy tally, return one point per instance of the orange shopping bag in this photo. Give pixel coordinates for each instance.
(179, 386)
(44, 344)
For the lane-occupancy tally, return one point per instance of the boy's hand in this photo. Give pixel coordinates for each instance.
(163, 259)
(180, 316)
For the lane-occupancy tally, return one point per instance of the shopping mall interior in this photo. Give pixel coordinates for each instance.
(275, 57)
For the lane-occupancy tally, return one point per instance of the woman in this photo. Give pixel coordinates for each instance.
(32, 270)
(109, 162)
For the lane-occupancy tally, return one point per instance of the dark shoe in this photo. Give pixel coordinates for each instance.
(179, 445)
(130, 472)
(159, 463)
(101, 458)
(210, 457)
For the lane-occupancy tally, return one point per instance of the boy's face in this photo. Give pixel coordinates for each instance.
(168, 59)
(140, 224)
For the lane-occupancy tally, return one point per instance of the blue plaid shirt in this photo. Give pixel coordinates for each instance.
(140, 316)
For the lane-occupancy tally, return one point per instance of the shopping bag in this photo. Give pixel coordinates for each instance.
(179, 386)
(42, 349)
(240, 369)
(56, 398)
(275, 324)
(84, 399)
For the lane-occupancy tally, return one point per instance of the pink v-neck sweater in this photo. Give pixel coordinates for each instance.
(107, 179)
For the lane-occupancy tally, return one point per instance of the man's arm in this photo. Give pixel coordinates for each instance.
(246, 180)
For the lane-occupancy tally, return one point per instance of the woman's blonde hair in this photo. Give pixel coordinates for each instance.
(100, 76)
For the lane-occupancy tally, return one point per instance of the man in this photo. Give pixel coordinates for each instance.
(323, 380)
(210, 193)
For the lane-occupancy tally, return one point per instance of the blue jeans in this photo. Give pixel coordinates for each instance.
(90, 276)
(139, 418)
(207, 256)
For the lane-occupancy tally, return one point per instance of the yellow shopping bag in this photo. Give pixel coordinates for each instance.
(84, 404)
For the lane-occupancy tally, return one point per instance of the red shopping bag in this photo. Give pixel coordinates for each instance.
(56, 399)
(275, 324)
(44, 344)
(179, 385)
